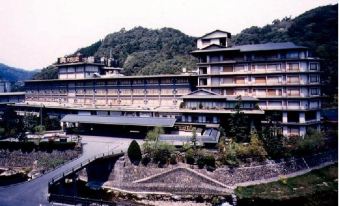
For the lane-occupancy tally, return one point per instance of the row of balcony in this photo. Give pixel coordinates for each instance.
(289, 107)
(283, 83)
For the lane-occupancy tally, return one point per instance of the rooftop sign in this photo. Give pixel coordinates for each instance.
(71, 59)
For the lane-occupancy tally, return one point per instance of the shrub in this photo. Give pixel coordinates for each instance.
(312, 142)
(209, 160)
(162, 153)
(201, 162)
(190, 157)
(153, 135)
(256, 148)
(229, 156)
(215, 201)
(39, 129)
(173, 159)
(145, 160)
(134, 152)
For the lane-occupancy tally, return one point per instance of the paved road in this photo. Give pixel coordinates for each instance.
(35, 192)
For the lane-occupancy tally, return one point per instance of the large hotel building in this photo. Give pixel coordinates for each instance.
(278, 78)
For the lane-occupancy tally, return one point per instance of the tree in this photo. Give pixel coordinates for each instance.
(257, 149)
(189, 156)
(238, 124)
(194, 138)
(229, 156)
(273, 138)
(312, 142)
(134, 152)
(153, 135)
(29, 122)
(11, 123)
(162, 153)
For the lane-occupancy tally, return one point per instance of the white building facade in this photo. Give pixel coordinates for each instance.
(283, 76)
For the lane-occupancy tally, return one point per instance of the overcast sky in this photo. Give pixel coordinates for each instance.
(34, 33)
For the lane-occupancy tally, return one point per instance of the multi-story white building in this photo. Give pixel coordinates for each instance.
(283, 76)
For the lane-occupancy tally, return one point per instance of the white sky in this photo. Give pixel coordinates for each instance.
(34, 33)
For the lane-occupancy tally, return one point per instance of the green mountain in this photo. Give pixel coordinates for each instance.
(13, 74)
(146, 51)
(49, 72)
(316, 29)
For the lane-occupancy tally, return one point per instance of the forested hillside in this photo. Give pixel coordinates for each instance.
(316, 29)
(146, 51)
(13, 74)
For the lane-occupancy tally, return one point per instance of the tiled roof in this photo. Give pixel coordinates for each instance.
(268, 46)
(254, 47)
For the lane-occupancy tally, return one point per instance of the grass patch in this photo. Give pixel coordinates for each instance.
(315, 182)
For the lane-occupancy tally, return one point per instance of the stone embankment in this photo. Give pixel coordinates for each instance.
(183, 180)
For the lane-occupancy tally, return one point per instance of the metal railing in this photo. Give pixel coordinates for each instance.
(80, 166)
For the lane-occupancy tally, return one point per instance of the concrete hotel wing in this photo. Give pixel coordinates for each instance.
(283, 76)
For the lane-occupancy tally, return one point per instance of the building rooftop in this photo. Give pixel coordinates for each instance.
(228, 34)
(268, 46)
(118, 77)
(205, 94)
(12, 93)
(251, 47)
(120, 120)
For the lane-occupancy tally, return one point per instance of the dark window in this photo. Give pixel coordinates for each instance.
(222, 41)
(206, 41)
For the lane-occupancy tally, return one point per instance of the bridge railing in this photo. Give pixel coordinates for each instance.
(79, 166)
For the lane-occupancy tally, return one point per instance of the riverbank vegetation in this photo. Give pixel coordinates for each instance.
(319, 187)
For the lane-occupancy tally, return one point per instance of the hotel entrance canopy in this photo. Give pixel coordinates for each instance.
(120, 120)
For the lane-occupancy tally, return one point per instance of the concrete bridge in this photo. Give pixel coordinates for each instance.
(35, 192)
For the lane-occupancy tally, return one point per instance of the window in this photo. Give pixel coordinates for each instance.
(222, 41)
(274, 104)
(292, 55)
(71, 69)
(274, 79)
(202, 70)
(62, 70)
(205, 41)
(293, 92)
(229, 91)
(314, 78)
(228, 68)
(239, 68)
(273, 67)
(215, 58)
(293, 79)
(271, 92)
(293, 66)
(203, 82)
(260, 92)
(227, 80)
(260, 67)
(314, 91)
(260, 80)
(314, 66)
(240, 80)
